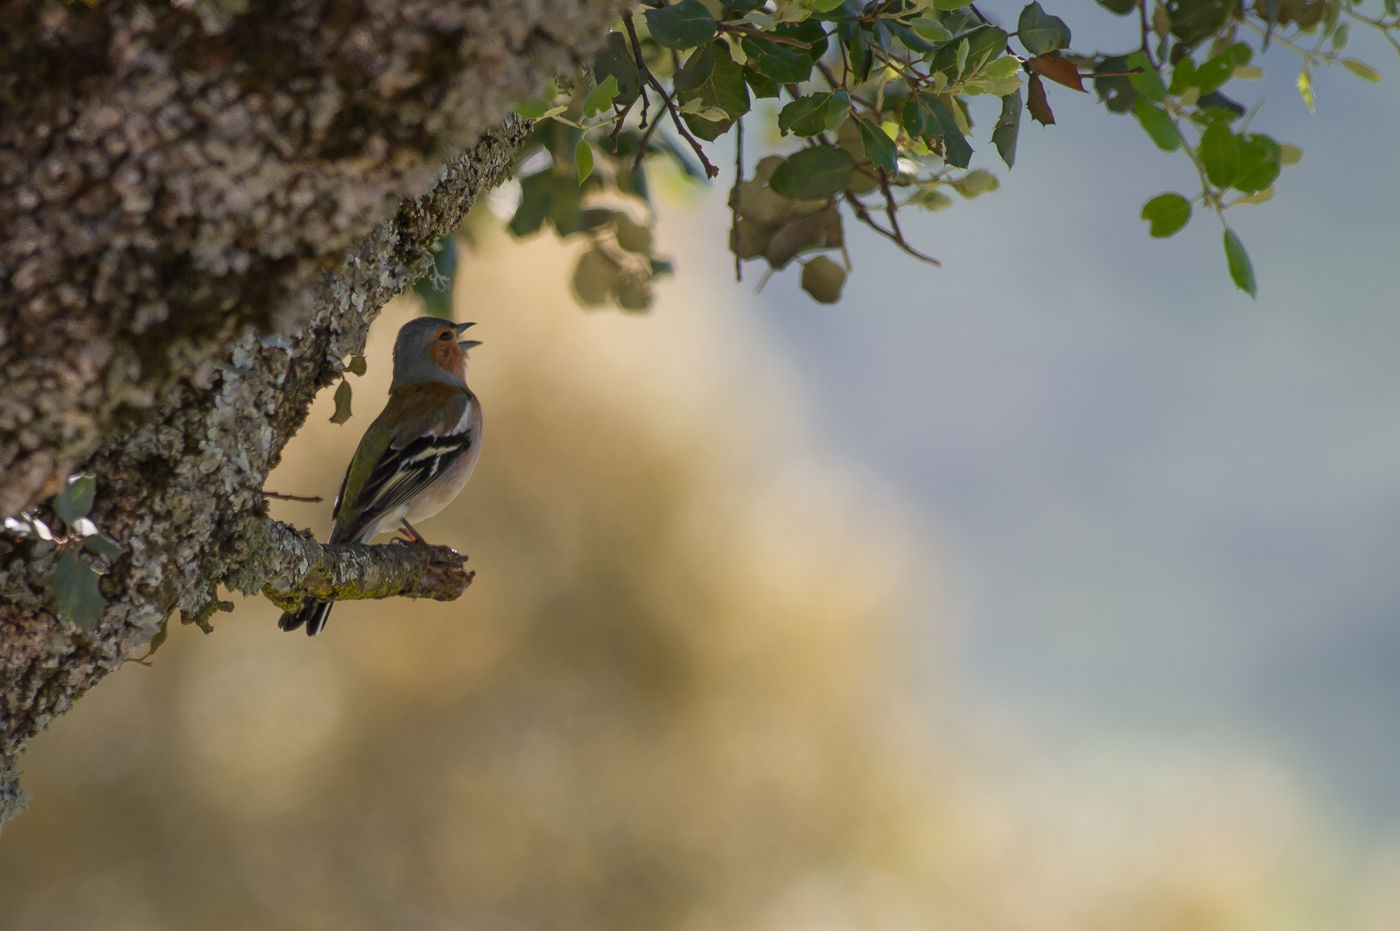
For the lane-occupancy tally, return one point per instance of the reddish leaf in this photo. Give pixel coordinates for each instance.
(1060, 70)
(1036, 102)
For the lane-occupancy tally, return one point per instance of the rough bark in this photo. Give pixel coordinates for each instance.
(297, 567)
(202, 214)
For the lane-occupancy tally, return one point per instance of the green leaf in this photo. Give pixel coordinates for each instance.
(879, 147)
(931, 29)
(1362, 70)
(975, 182)
(837, 110)
(1261, 160)
(1193, 20)
(583, 159)
(1241, 272)
(357, 365)
(103, 546)
(1214, 73)
(810, 33)
(918, 118)
(812, 173)
(856, 39)
(342, 402)
(1166, 213)
(712, 77)
(985, 44)
(539, 109)
(1220, 154)
(1157, 125)
(76, 499)
(1008, 128)
(951, 4)
(1121, 7)
(1183, 75)
(823, 279)
(783, 63)
(1114, 89)
(956, 151)
(805, 116)
(1148, 81)
(79, 597)
(616, 61)
(761, 84)
(600, 97)
(1040, 32)
(969, 53)
(908, 37)
(1216, 106)
(821, 6)
(683, 25)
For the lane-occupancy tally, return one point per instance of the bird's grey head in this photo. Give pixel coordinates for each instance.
(430, 349)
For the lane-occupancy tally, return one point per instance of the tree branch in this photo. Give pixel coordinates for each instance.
(299, 568)
(205, 210)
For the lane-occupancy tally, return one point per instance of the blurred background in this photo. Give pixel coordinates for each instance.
(1052, 589)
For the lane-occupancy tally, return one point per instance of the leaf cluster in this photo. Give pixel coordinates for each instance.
(75, 585)
(869, 110)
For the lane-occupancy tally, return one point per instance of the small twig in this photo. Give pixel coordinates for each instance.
(645, 143)
(1142, 23)
(863, 215)
(308, 499)
(891, 210)
(912, 78)
(837, 85)
(739, 30)
(710, 169)
(619, 120)
(734, 193)
(641, 68)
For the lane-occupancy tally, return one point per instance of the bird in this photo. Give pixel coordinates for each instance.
(416, 455)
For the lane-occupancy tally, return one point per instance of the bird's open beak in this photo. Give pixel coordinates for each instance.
(466, 343)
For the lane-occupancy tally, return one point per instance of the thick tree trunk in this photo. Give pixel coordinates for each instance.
(202, 213)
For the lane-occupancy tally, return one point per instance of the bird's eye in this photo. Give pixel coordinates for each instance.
(445, 334)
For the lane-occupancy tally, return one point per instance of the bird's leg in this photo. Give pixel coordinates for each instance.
(411, 533)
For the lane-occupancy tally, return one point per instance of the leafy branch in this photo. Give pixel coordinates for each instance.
(874, 108)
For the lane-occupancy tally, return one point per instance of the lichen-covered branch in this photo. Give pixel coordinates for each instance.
(298, 567)
(204, 211)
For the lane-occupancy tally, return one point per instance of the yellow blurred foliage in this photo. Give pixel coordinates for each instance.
(680, 695)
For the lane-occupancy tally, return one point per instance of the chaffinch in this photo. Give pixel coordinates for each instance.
(416, 455)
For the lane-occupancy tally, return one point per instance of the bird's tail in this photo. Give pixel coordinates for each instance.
(313, 614)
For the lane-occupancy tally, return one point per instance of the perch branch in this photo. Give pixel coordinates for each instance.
(299, 568)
